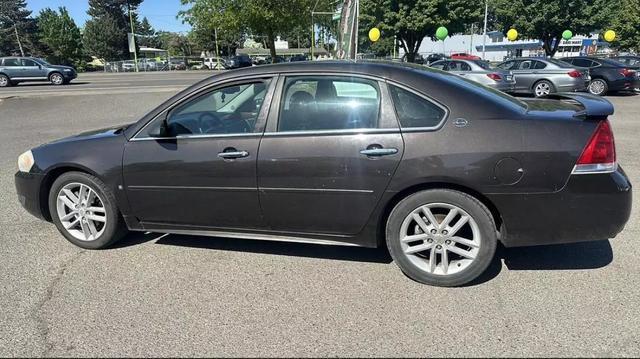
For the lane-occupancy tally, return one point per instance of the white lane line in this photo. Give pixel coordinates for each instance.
(96, 91)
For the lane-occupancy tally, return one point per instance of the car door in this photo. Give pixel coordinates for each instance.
(330, 149)
(202, 170)
(32, 70)
(525, 76)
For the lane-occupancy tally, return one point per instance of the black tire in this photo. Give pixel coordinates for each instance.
(541, 83)
(56, 78)
(4, 81)
(600, 90)
(115, 227)
(478, 211)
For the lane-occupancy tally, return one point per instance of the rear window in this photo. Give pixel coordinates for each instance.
(484, 64)
(559, 63)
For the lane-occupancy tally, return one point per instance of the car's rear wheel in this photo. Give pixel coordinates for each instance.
(84, 211)
(441, 237)
(56, 79)
(543, 88)
(4, 81)
(598, 87)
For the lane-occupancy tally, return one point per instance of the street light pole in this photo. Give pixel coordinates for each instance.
(484, 33)
(133, 38)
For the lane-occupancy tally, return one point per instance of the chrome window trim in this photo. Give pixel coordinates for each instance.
(196, 137)
(440, 124)
(272, 78)
(354, 131)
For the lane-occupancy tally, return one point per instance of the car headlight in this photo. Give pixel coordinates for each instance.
(25, 162)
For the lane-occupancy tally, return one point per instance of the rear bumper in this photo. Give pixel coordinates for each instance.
(28, 189)
(590, 207)
(626, 84)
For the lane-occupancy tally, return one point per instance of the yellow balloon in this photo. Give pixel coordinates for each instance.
(374, 34)
(609, 35)
(512, 34)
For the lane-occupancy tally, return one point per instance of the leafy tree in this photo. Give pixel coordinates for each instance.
(267, 18)
(546, 20)
(106, 32)
(146, 35)
(17, 29)
(626, 23)
(61, 36)
(412, 20)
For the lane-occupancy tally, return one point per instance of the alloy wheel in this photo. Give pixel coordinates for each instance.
(597, 87)
(4, 81)
(440, 238)
(542, 89)
(57, 79)
(81, 211)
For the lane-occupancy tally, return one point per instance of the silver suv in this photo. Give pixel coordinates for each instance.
(19, 69)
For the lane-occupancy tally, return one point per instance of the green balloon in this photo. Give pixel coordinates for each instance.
(567, 34)
(442, 33)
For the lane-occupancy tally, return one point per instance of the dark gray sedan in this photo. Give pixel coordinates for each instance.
(433, 166)
(542, 76)
(480, 72)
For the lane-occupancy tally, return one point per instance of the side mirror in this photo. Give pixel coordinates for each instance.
(161, 131)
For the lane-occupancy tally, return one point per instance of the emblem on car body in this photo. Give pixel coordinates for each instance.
(460, 122)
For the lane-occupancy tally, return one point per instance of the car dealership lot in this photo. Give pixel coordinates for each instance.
(180, 295)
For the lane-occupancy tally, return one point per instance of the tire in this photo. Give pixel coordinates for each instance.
(56, 78)
(479, 230)
(103, 233)
(542, 88)
(4, 81)
(598, 87)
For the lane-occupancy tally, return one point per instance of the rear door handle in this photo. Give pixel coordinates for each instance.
(233, 154)
(379, 151)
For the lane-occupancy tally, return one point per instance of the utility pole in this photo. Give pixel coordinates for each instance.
(133, 38)
(484, 33)
(215, 30)
(15, 28)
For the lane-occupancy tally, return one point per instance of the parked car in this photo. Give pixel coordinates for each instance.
(629, 60)
(480, 72)
(177, 64)
(435, 57)
(437, 168)
(295, 58)
(464, 56)
(238, 61)
(128, 65)
(541, 76)
(606, 74)
(14, 70)
(215, 63)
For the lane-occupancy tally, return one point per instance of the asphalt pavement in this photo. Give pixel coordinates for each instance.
(155, 295)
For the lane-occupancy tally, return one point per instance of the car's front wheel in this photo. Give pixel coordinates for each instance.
(56, 79)
(4, 81)
(84, 211)
(441, 237)
(598, 87)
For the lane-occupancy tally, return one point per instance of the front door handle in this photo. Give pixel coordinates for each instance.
(379, 151)
(232, 154)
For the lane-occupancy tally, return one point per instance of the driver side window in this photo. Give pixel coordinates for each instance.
(228, 110)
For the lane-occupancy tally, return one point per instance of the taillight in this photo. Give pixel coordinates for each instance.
(599, 156)
(495, 77)
(627, 73)
(574, 73)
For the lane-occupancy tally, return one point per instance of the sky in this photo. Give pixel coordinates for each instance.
(161, 13)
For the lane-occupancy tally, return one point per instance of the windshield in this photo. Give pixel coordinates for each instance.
(42, 61)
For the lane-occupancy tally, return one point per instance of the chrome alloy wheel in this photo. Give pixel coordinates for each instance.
(57, 79)
(440, 238)
(542, 89)
(81, 211)
(597, 87)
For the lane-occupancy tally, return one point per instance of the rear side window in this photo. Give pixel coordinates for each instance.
(509, 65)
(537, 65)
(414, 111)
(11, 62)
(320, 103)
(582, 62)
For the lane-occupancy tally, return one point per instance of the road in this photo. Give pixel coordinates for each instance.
(172, 295)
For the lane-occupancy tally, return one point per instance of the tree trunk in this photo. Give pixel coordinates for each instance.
(409, 43)
(547, 42)
(272, 46)
(15, 28)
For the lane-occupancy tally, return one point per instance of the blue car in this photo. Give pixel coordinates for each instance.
(14, 70)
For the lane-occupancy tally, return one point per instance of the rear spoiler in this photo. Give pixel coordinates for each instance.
(592, 105)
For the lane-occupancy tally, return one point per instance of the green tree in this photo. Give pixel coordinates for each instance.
(105, 33)
(267, 18)
(626, 24)
(146, 35)
(61, 36)
(413, 20)
(546, 20)
(17, 29)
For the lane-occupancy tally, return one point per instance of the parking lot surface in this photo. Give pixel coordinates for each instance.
(155, 295)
